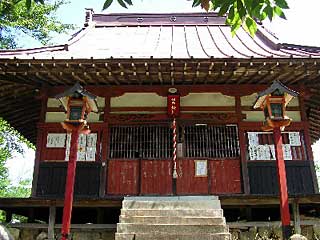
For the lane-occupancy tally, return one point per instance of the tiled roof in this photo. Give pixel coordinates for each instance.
(178, 36)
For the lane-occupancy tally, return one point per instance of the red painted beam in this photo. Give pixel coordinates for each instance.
(282, 179)
(68, 195)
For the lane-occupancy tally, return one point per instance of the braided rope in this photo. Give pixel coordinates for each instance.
(174, 127)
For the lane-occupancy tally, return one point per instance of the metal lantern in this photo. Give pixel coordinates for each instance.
(78, 103)
(273, 102)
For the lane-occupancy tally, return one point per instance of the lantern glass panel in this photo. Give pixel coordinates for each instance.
(75, 113)
(276, 110)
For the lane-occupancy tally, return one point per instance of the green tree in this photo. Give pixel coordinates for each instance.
(36, 20)
(10, 141)
(239, 13)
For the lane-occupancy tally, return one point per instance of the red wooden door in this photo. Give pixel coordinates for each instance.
(225, 176)
(187, 182)
(156, 177)
(123, 177)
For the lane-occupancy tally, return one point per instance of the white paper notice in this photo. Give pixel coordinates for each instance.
(56, 140)
(294, 139)
(201, 168)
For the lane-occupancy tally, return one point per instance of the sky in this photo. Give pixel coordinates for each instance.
(301, 27)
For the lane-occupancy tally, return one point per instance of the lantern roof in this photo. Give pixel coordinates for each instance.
(278, 88)
(78, 91)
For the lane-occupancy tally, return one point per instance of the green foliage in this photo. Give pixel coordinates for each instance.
(239, 13)
(10, 141)
(25, 16)
(22, 190)
(245, 13)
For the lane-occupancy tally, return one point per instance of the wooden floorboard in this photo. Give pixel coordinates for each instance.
(115, 202)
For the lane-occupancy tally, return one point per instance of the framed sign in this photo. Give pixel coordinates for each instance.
(201, 168)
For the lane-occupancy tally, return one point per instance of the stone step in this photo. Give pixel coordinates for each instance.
(171, 198)
(170, 228)
(181, 236)
(173, 213)
(132, 204)
(172, 220)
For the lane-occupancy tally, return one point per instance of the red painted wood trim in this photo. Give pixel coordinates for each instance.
(37, 162)
(104, 150)
(164, 109)
(306, 131)
(244, 165)
(242, 144)
(219, 118)
(256, 126)
(282, 178)
(68, 197)
(116, 91)
(40, 139)
(182, 109)
(250, 109)
(307, 140)
(56, 126)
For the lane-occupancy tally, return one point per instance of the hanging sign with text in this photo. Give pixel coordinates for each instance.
(173, 104)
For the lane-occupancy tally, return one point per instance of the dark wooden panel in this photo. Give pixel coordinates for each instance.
(263, 177)
(225, 176)
(52, 178)
(187, 183)
(54, 154)
(156, 177)
(123, 177)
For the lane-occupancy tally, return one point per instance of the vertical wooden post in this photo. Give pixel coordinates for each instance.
(30, 215)
(307, 139)
(282, 179)
(243, 157)
(296, 216)
(100, 215)
(68, 195)
(243, 149)
(52, 220)
(40, 136)
(104, 146)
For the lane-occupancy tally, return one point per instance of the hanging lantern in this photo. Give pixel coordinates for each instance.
(273, 102)
(78, 103)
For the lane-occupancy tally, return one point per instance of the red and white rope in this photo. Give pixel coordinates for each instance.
(174, 128)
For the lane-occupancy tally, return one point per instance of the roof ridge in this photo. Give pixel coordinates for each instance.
(156, 19)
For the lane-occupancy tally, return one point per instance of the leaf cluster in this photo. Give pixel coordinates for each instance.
(28, 17)
(245, 13)
(123, 3)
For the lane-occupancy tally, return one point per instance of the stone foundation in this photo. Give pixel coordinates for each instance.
(77, 234)
(243, 233)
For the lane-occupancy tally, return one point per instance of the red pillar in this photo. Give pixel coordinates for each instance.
(282, 179)
(68, 195)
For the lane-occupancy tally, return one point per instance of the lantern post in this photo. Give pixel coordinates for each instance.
(273, 102)
(78, 103)
(173, 105)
